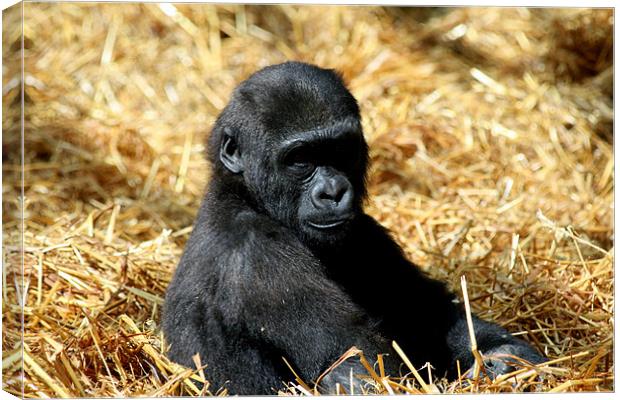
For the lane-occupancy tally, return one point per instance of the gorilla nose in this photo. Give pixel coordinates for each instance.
(335, 193)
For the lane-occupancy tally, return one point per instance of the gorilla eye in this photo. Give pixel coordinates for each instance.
(298, 161)
(301, 167)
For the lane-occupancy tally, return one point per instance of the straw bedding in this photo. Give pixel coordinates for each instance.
(490, 134)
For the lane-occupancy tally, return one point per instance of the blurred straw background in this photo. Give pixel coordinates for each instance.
(490, 132)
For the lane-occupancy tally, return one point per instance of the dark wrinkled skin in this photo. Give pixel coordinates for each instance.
(284, 263)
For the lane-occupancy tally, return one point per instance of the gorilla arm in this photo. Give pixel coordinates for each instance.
(442, 335)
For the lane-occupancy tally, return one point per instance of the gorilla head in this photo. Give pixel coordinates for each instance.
(298, 152)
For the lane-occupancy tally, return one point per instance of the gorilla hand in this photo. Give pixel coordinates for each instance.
(507, 358)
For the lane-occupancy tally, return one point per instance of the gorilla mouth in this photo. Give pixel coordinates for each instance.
(328, 225)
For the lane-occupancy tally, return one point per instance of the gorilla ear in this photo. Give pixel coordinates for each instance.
(230, 154)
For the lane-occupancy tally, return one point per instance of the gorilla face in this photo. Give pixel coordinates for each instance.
(302, 172)
(325, 167)
(312, 182)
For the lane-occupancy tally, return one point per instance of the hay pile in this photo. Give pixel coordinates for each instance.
(490, 132)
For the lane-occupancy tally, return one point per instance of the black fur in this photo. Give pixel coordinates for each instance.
(266, 276)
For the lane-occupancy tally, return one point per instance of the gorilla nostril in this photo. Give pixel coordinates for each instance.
(325, 196)
(340, 194)
(334, 196)
(320, 198)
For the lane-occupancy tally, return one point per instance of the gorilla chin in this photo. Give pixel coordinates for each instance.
(319, 233)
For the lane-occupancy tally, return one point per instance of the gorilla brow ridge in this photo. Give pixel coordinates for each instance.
(335, 130)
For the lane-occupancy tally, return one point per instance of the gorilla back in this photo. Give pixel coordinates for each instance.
(284, 264)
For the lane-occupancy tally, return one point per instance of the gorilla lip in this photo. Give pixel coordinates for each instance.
(328, 225)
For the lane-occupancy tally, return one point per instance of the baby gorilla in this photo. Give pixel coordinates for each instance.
(283, 263)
